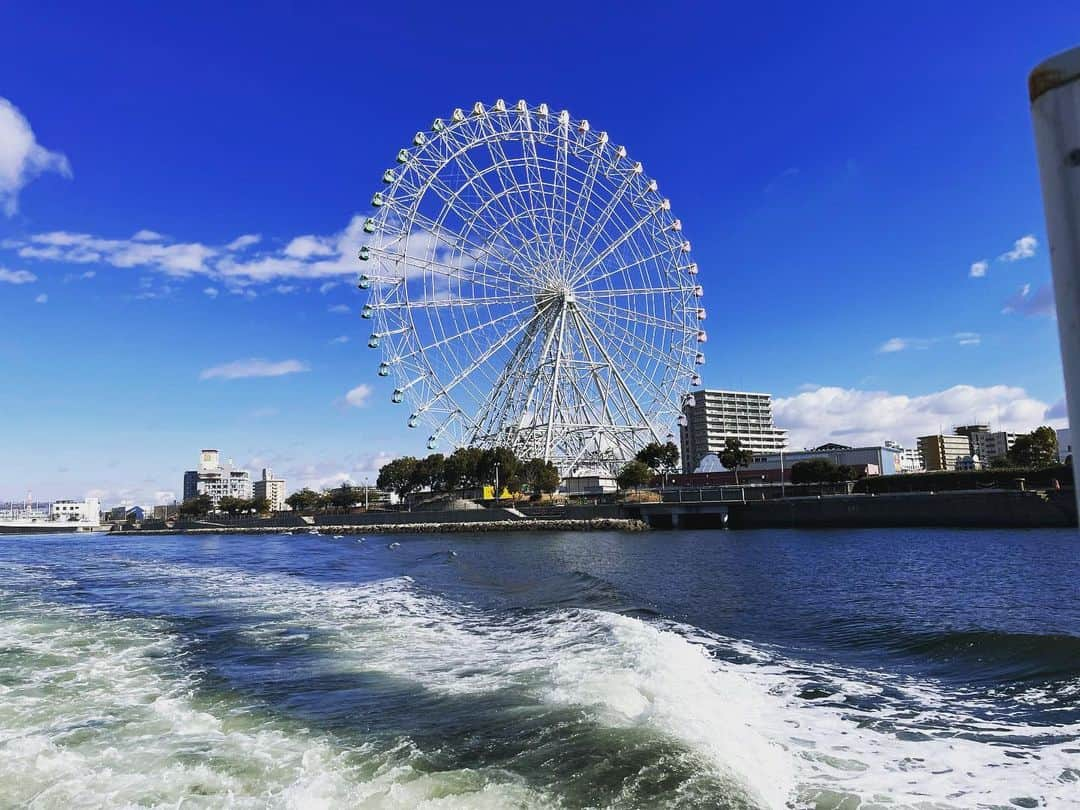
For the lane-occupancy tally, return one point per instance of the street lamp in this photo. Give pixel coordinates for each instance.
(365, 494)
(496, 483)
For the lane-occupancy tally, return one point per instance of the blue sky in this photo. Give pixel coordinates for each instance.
(839, 170)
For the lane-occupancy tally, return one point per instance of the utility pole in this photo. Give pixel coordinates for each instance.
(496, 483)
(1054, 90)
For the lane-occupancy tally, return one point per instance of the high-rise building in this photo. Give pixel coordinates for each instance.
(1064, 437)
(986, 445)
(945, 452)
(710, 418)
(216, 479)
(273, 489)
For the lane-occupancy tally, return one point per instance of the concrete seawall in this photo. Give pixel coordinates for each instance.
(419, 527)
(985, 508)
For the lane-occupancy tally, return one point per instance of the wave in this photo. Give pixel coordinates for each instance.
(621, 709)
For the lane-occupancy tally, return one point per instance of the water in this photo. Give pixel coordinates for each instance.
(870, 669)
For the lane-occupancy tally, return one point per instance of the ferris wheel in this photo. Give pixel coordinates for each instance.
(529, 287)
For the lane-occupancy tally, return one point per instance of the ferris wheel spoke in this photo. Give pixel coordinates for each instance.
(623, 267)
(442, 303)
(448, 271)
(530, 147)
(626, 343)
(419, 351)
(597, 228)
(493, 143)
(614, 245)
(618, 376)
(613, 311)
(509, 335)
(514, 375)
(616, 292)
(585, 193)
(507, 214)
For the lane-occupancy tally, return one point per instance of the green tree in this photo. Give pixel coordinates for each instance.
(634, 475)
(541, 476)
(260, 505)
(819, 471)
(344, 497)
(506, 462)
(733, 456)
(662, 459)
(233, 506)
(461, 469)
(431, 472)
(1036, 449)
(398, 476)
(198, 506)
(304, 500)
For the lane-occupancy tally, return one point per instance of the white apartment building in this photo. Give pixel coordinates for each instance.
(216, 479)
(87, 511)
(273, 489)
(1064, 437)
(986, 445)
(710, 418)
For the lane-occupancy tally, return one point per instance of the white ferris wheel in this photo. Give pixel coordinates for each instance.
(529, 287)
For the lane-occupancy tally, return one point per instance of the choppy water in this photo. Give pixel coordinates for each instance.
(870, 669)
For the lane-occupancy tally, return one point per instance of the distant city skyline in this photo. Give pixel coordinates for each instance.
(179, 222)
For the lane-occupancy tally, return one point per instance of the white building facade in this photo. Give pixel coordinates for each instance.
(710, 418)
(273, 489)
(217, 480)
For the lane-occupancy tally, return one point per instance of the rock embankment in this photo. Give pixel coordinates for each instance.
(434, 527)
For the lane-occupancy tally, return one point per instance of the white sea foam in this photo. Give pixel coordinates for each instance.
(918, 746)
(98, 713)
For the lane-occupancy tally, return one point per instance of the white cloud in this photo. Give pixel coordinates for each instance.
(1059, 410)
(894, 345)
(176, 259)
(304, 247)
(210, 292)
(1023, 248)
(42, 299)
(899, 344)
(285, 289)
(16, 276)
(338, 309)
(857, 417)
(1037, 304)
(164, 496)
(255, 367)
(327, 286)
(340, 339)
(358, 397)
(22, 158)
(88, 274)
(241, 242)
(978, 269)
(147, 236)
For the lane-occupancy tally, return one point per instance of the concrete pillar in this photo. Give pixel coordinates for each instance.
(1054, 90)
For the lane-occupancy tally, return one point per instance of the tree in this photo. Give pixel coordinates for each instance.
(541, 476)
(634, 475)
(304, 500)
(662, 459)
(398, 475)
(506, 462)
(819, 471)
(431, 472)
(1036, 449)
(733, 456)
(260, 505)
(198, 506)
(343, 497)
(233, 506)
(461, 469)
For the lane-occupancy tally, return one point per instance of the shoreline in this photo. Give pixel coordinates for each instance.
(434, 527)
